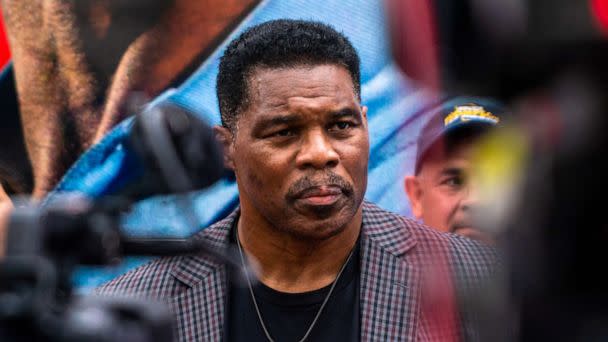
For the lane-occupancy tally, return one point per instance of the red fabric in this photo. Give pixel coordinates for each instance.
(600, 12)
(439, 308)
(5, 53)
(414, 39)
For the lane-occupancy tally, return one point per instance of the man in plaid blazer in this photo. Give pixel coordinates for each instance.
(295, 134)
(394, 252)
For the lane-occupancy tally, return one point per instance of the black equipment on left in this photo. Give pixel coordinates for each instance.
(45, 244)
(178, 150)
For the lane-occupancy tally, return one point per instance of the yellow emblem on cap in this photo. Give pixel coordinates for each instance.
(468, 112)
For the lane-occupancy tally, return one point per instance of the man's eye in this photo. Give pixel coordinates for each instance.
(341, 125)
(283, 133)
(454, 182)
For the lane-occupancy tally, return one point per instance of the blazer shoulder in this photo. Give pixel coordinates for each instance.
(468, 257)
(428, 239)
(155, 279)
(471, 252)
(151, 280)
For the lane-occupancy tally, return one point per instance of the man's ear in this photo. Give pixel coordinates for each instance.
(414, 193)
(364, 112)
(225, 137)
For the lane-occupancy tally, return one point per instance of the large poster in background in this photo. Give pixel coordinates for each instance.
(393, 100)
(4, 51)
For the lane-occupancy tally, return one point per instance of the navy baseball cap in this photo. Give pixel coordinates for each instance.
(456, 115)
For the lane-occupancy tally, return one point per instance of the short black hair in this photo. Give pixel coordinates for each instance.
(278, 44)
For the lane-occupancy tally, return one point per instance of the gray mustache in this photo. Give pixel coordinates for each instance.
(330, 179)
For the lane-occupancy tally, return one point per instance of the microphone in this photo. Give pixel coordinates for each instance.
(177, 149)
(179, 154)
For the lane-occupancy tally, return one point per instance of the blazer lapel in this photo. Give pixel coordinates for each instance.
(390, 286)
(201, 308)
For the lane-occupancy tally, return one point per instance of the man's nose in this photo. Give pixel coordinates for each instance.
(317, 151)
(470, 196)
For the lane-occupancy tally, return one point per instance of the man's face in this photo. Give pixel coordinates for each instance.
(441, 194)
(300, 150)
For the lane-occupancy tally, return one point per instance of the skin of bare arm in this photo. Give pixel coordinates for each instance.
(77, 62)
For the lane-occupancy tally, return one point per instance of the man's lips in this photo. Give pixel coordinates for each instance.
(323, 195)
(462, 223)
(474, 234)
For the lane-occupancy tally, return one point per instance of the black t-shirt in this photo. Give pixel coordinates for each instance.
(287, 316)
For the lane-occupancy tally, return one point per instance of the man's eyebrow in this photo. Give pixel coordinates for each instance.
(275, 120)
(452, 171)
(346, 112)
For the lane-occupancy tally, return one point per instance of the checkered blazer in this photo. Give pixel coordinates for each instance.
(397, 259)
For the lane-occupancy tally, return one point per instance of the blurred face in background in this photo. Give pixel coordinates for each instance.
(442, 194)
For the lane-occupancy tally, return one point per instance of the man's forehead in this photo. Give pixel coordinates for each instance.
(295, 85)
(440, 156)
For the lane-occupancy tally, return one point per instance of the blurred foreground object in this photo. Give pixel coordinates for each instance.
(45, 244)
(544, 175)
(36, 299)
(178, 149)
(496, 48)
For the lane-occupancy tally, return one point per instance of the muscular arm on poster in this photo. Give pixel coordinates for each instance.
(76, 62)
(5, 209)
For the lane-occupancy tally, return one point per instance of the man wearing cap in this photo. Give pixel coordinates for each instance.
(441, 192)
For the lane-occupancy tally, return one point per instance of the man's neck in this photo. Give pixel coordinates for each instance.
(291, 264)
(68, 100)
